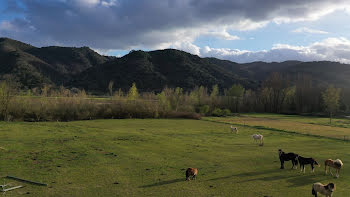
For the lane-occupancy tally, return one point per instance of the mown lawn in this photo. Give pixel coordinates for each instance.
(148, 158)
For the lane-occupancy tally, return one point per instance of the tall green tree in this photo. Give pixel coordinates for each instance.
(235, 95)
(331, 98)
(133, 93)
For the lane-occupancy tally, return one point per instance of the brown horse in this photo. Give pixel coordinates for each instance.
(337, 164)
(191, 172)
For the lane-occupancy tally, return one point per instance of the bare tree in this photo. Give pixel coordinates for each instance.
(110, 88)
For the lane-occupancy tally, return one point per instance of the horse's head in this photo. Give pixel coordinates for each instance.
(315, 162)
(280, 152)
(331, 187)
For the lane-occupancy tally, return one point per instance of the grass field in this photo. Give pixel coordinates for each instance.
(340, 129)
(148, 157)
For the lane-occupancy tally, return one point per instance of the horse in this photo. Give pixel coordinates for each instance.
(326, 190)
(259, 137)
(191, 173)
(234, 129)
(337, 164)
(304, 161)
(287, 157)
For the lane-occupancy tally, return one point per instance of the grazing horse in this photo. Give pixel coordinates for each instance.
(234, 129)
(287, 157)
(304, 161)
(326, 190)
(191, 172)
(337, 164)
(259, 137)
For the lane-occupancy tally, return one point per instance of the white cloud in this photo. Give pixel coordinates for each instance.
(309, 31)
(7, 26)
(221, 34)
(330, 49)
(87, 2)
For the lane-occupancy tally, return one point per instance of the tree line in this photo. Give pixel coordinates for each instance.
(277, 94)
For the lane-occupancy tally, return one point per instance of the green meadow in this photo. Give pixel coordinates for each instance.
(148, 157)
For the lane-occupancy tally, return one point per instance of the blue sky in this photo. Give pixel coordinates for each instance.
(241, 31)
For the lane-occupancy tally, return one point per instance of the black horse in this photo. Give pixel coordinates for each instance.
(288, 157)
(304, 161)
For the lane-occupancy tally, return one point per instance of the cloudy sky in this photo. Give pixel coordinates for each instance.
(237, 30)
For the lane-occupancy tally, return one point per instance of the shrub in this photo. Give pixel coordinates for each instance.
(187, 115)
(217, 112)
(226, 112)
(204, 109)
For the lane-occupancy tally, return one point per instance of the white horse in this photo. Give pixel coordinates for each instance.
(259, 137)
(326, 190)
(234, 129)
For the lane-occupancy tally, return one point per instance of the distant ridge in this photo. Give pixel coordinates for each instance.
(151, 71)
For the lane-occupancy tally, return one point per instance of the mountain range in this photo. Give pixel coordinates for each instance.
(84, 68)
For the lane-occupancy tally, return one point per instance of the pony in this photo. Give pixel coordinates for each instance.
(337, 164)
(304, 161)
(234, 129)
(259, 137)
(191, 173)
(326, 190)
(288, 157)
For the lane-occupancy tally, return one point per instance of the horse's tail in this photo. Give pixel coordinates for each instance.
(187, 174)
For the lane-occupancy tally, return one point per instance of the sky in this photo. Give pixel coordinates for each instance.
(237, 30)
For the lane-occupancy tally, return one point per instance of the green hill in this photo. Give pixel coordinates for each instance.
(151, 71)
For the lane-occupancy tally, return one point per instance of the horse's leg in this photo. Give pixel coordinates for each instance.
(312, 167)
(301, 166)
(325, 169)
(282, 163)
(330, 171)
(337, 173)
(304, 168)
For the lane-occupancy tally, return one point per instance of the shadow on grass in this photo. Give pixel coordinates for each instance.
(271, 178)
(246, 174)
(163, 183)
(304, 179)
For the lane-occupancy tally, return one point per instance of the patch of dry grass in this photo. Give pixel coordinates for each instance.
(288, 125)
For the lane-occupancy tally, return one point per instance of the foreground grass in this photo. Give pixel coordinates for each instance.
(149, 158)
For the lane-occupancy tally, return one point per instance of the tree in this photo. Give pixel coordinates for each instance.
(110, 88)
(5, 98)
(214, 92)
(331, 100)
(235, 94)
(133, 93)
(277, 86)
(177, 98)
(214, 95)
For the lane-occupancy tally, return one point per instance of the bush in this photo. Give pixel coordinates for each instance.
(204, 109)
(226, 112)
(217, 112)
(187, 115)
